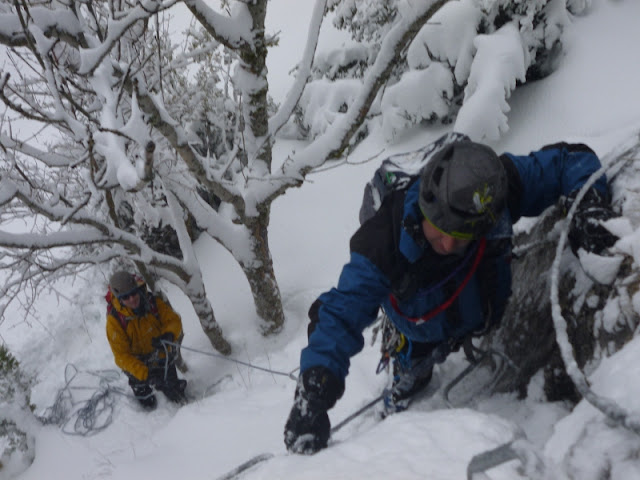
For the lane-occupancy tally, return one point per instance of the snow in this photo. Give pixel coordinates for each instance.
(499, 62)
(303, 70)
(406, 103)
(601, 269)
(451, 44)
(582, 428)
(324, 102)
(590, 98)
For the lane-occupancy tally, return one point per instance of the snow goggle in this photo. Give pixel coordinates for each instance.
(127, 295)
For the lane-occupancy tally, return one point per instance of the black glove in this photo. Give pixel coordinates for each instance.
(586, 230)
(156, 342)
(307, 429)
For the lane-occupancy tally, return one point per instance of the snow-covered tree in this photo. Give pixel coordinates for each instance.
(17, 445)
(461, 67)
(567, 313)
(141, 141)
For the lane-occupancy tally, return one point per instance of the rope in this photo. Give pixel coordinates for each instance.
(84, 417)
(285, 374)
(357, 413)
(90, 416)
(240, 362)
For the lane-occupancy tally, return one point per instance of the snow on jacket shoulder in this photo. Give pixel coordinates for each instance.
(130, 340)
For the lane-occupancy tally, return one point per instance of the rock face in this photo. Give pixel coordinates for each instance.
(600, 316)
(17, 448)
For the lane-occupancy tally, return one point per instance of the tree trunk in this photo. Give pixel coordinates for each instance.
(260, 274)
(210, 326)
(253, 58)
(527, 334)
(262, 278)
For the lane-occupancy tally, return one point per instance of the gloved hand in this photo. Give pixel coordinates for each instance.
(307, 429)
(586, 230)
(156, 342)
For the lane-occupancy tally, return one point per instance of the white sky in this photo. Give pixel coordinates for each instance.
(592, 98)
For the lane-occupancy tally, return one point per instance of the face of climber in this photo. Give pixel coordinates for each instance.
(131, 299)
(442, 243)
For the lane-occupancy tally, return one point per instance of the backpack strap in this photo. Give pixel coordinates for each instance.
(153, 305)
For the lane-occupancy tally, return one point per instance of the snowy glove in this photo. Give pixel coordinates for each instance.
(156, 342)
(586, 230)
(307, 429)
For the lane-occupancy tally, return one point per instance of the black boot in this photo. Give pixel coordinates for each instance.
(173, 387)
(407, 382)
(143, 393)
(412, 372)
(175, 392)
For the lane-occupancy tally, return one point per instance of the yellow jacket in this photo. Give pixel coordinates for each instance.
(131, 340)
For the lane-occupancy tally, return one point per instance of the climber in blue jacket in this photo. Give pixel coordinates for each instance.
(436, 258)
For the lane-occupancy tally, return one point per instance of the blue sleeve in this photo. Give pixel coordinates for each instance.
(345, 311)
(552, 172)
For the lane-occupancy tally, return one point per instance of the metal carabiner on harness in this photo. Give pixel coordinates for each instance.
(393, 342)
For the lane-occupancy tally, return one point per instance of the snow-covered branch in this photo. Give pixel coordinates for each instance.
(500, 61)
(303, 70)
(53, 23)
(462, 66)
(97, 231)
(234, 237)
(91, 58)
(50, 159)
(178, 137)
(608, 407)
(232, 32)
(337, 138)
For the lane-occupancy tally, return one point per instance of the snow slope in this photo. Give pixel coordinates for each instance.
(592, 98)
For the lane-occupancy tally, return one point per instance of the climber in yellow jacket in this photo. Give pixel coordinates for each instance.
(142, 331)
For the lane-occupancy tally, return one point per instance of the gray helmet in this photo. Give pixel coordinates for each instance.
(463, 189)
(122, 283)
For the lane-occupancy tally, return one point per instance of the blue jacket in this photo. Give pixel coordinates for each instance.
(389, 255)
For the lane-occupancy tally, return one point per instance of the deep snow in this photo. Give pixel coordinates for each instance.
(592, 98)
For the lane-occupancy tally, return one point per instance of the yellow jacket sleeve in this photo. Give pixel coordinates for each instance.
(120, 346)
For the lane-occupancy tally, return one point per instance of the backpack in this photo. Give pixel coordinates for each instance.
(398, 172)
